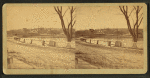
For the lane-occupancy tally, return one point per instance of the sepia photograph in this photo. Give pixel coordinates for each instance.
(37, 38)
(110, 37)
(79, 38)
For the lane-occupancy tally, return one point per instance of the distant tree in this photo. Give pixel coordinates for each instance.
(54, 32)
(67, 31)
(41, 30)
(25, 30)
(138, 16)
(91, 30)
(91, 33)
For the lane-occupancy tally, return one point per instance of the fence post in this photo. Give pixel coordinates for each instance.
(76, 62)
(54, 44)
(97, 41)
(118, 44)
(31, 41)
(109, 43)
(43, 43)
(24, 40)
(10, 61)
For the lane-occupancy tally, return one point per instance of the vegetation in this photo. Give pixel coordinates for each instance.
(123, 32)
(41, 32)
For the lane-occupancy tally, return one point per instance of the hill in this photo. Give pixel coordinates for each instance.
(41, 32)
(123, 32)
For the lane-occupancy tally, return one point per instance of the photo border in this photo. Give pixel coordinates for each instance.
(73, 71)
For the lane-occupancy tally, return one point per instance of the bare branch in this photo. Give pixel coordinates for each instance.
(132, 20)
(67, 20)
(71, 10)
(134, 7)
(140, 8)
(137, 9)
(68, 7)
(140, 16)
(73, 23)
(56, 10)
(134, 27)
(131, 11)
(69, 25)
(65, 13)
(74, 9)
(124, 10)
(121, 9)
(73, 17)
(140, 21)
(61, 8)
(127, 10)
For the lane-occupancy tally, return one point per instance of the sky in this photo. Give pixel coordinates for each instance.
(102, 17)
(19, 17)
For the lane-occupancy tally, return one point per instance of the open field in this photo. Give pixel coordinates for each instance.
(89, 56)
(108, 57)
(41, 57)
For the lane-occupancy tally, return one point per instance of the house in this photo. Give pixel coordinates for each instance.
(33, 31)
(98, 33)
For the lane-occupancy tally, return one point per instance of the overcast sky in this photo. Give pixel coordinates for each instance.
(102, 17)
(19, 17)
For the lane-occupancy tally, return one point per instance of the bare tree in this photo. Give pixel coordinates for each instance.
(138, 16)
(67, 31)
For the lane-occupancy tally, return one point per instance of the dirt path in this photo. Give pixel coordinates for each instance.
(106, 57)
(46, 57)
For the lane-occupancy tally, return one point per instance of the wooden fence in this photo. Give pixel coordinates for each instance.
(46, 43)
(102, 42)
(39, 42)
(112, 43)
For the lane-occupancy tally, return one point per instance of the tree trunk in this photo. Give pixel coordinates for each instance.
(69, 39)
(68, 45)
(134, 42)
(68, 42)
(134, 45)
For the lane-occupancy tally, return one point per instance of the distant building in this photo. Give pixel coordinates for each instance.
(99, 32)
(33, 31)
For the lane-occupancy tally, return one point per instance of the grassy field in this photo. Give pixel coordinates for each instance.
(90, 56)
(109, 57)
(42, 57)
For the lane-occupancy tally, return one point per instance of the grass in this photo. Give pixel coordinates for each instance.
(110, 58)
(35, 62)
(126, 49)
(43, 57)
